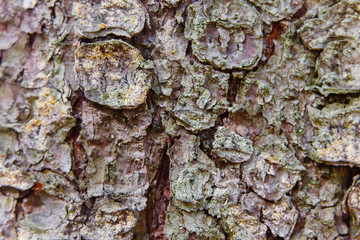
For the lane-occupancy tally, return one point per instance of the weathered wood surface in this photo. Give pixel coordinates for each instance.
(170, 119)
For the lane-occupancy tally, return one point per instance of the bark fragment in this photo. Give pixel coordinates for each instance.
(112, 73)
(334, 143)
(276, 10)
(204, 97)
(340, 21)
(274, 170)
(100, 18)
(337, 68)
(232, 147)
(225, 34)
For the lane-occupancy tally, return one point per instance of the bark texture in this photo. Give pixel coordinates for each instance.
(170, 119)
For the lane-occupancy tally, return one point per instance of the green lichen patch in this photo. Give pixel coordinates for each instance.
(225, 34)
(232, 147)
(204, 97)
(338, 68)
(193, 186)
(227, 190)
(180, 225)
(192, 174)
(337, 140)
(112, 73)
(100, 18)
(196, 184)
(191, 119)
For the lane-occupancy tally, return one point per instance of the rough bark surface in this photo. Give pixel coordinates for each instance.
(170, 119)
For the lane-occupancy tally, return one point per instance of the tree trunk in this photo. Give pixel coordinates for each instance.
(169, 119)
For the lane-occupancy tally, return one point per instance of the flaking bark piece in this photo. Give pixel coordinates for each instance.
(8, 216)
(340, 21)
(16, 179)
(100, 18)
(280, 217)
(120, 156)
(181, 225)
(321, 185)
(226, 34)
(112, 73)
(276, 10)
(43, 135)
(231, 146)
(238, 224)
(274, 170)
(276, 89)
(203, 98)
(109, 220)
(353, 203)
(227, 190)
(338, 68)
(322, 223)
(10, 19)
(337, 140)
(192, 174)
(45, 213)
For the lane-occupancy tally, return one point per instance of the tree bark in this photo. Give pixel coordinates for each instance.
(169, 119)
